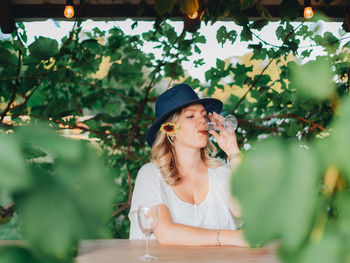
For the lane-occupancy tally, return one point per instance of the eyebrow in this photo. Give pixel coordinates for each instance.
(195, 110)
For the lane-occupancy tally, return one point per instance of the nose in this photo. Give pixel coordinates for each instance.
(202, 121)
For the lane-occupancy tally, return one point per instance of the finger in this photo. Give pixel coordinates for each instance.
(210, 116)
(219, 120)
(215, 134)
(219, 117)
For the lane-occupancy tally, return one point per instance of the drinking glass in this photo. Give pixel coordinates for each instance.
(148, 217)
(230, 123)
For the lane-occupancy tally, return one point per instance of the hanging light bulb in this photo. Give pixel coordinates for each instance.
(194, 16)
(308, 12)
(69, 9)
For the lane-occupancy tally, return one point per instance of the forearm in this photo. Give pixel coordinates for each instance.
(178, 234)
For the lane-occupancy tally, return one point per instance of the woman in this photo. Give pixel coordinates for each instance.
(190, 188)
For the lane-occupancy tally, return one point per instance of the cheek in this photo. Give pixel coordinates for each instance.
(184, 133)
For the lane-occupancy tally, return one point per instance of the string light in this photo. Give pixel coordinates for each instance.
(308, 12)
(194, 16)
(69, 9)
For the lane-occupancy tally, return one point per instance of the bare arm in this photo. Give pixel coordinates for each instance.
(170, 233)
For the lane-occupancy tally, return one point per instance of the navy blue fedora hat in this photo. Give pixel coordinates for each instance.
(173, 100)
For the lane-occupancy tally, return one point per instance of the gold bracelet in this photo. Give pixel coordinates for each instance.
(234, 156)
(218, 243)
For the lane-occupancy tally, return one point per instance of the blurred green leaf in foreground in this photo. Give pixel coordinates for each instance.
(297, 192)
(58, 206)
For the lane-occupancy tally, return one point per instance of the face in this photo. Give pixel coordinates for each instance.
(192, 132)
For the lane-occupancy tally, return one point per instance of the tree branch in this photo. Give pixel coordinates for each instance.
(14, 91)
(245, 122)
(6, 212)
(126, 204)
(251, 87)
(291, 115)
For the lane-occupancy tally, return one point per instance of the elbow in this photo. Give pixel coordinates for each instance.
(162, 240)
(164, 236)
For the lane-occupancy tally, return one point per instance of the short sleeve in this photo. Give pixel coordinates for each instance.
(148, 190)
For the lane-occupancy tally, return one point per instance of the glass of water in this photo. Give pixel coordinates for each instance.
(229, 122)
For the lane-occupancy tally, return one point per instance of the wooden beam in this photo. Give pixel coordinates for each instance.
(122, 11)
(7, 22)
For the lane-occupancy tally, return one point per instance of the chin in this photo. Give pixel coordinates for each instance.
(203, 144)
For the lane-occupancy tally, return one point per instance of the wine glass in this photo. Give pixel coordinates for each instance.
(148, 217)
(230, 123)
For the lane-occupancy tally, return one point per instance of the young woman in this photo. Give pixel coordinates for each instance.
(191, 189)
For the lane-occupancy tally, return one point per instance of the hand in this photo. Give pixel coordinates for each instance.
(227, 141)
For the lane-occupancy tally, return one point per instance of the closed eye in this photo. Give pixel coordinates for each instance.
(190, 117)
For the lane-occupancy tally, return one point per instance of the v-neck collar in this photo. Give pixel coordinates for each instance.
(201, 203)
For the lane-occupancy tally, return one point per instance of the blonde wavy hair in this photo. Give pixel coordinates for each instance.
(163, 155)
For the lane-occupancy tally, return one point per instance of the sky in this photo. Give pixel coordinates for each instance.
(210, 50)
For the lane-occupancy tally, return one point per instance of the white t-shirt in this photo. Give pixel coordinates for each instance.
(212, 213)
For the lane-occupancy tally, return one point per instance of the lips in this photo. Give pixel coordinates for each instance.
(205, 132)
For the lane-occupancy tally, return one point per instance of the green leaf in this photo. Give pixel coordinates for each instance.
(294, 128)
(266, 183)
(222, 36)
(52, 143)
(262, 80)
(32, 153)
(336, 148)
(314, 78)
(240, 74)
(60, 211)
(306, 53)
(38, 98)
(43, 48)
(246, 34)
(300, 209)
(259, 24)
(331, 248)
(172, 36)
(14, 175)
(16, 254)
(220, 64)
(7, 57)
(197, 50)
(258, 186)
(342, 203)
(201, 39)
(66, 196)
(11, 230)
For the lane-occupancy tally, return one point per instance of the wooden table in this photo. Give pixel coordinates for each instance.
(123, 250)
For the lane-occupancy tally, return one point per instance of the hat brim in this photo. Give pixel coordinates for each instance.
(210, 104)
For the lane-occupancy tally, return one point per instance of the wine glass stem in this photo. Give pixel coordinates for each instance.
(147, 244)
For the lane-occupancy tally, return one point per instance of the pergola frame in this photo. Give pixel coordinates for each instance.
(33, 10)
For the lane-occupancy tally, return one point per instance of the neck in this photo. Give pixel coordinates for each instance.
(189, 161)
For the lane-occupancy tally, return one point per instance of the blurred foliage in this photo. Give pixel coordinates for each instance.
(60, 199)
(55, 191)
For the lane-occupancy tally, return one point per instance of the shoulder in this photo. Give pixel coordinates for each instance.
(223, 169)
(149, 172)
(222, 173)
(148, 167)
